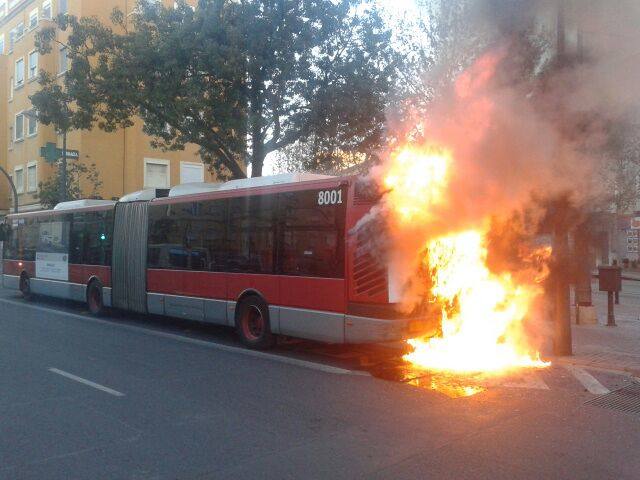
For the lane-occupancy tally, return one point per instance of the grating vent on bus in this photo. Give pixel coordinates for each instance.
(370, 278)
(366, 194)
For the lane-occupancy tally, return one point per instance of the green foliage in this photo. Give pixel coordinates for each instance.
(78, 174)
(237, 78)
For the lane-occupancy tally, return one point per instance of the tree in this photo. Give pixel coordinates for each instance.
(52, 106)
(310, 156)
(78, 174)
(236, 78)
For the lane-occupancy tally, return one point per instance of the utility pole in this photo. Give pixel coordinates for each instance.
(562, 344)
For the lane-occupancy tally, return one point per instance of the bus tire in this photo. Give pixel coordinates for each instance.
(94, 298)
(25, 286)
(252, 323)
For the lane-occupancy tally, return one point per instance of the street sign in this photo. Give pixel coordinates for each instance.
(51, 153)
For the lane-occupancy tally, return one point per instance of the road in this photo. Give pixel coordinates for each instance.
(129, 397)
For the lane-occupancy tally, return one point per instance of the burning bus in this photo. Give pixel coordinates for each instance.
(268, 256)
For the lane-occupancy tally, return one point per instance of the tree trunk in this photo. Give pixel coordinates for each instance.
(257, 162)
(257, 140)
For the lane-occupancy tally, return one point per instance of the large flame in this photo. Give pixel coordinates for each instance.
(482, 312)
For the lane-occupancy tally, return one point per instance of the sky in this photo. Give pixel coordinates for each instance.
(398, 7)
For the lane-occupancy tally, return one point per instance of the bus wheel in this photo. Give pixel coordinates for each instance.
(25, 286)
(94, 298)
(252, 323)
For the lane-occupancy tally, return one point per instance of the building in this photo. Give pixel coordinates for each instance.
(125, 159)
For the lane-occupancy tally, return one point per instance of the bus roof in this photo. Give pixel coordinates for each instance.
(281, 179)
(267, 184)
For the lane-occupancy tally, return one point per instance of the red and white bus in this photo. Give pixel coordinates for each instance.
(269, 256)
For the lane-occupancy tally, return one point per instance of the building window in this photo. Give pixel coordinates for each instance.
(33, 65)
(12, 39)
(33, 18)
(19, 31)
(3, 8)
(32, 126)
(156, 173)
(2, 43)
(191, 172)
(19, 179)
(19, 127)
(19, 76)
(62, 7)
(11, 88)
(32, 177)
(63, 60)
(46, 9)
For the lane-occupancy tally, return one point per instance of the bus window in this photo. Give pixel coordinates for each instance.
(91, 238)
(313, 233)
(29, 239)
(251, 237)
(54, 234)
(211, 225)
(175, 238)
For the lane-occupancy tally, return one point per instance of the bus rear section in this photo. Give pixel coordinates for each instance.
(288, 252)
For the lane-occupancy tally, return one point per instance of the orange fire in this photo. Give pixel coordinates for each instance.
(482, 312)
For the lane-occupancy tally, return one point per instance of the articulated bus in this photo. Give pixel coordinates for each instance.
(268, 256)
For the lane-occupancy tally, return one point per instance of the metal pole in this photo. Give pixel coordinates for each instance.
(13, 187)
(63, 169)
(562, 321)
(611, 319)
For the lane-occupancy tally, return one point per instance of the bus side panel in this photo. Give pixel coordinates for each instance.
(314, 308)
(266, 285)
(16, 267)
(83, 273)
(187, 294)
(325, 294)
(185, 282)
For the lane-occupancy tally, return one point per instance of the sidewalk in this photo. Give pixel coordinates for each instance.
(611, 348)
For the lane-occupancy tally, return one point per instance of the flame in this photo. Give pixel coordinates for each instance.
(482, 312)
(416, 180)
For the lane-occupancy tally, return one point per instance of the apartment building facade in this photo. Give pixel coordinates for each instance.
(125, 160)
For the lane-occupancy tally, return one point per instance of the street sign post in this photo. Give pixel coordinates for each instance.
(51, 153)
(610, 281)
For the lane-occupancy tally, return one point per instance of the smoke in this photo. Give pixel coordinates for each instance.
(526, 122)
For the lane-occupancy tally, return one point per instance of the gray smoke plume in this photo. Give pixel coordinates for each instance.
(526, 94)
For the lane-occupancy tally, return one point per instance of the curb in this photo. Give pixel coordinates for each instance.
(633, 371)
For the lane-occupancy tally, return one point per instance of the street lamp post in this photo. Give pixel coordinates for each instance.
(13, 188)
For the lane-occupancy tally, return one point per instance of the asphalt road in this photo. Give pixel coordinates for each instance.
(144, 398)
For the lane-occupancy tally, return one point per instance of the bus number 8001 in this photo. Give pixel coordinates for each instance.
(329, 197)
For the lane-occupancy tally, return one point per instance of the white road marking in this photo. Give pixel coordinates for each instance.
(84, 381)
(194, 341)
(588, 381)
